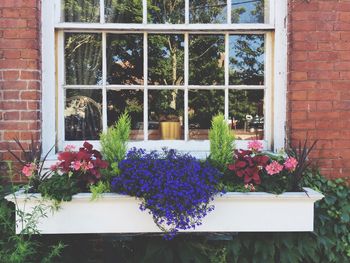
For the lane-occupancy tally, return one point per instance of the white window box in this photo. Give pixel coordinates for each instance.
(234, 212)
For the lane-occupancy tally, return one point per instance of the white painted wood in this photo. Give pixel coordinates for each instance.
(165, 27)
(186, 76)
(145, 83)
(102, 11)
(61, 92)
(48, 75)
(234, 212)
(280, 74)
(229, 10)
(104, 80)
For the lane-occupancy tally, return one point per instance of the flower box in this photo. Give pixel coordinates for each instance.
(234, 212)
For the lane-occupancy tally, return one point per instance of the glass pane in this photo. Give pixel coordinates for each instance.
(166, 11)
(165, 114)
(247, 59)
(247, 11)
(206, 59)
(202, 106)
(82, 11)
(165, 59)
(246, 112)
(123, 11)
(83, 59)
(83, 114)
(208, 11)
(119, 101)
(125, 59)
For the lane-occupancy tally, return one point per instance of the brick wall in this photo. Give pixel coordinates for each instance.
(319, 80)
(19, 72)
(318, 90)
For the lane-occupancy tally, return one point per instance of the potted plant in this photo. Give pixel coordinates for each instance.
(170, 125)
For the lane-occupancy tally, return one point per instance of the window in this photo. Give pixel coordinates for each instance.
(171, 64)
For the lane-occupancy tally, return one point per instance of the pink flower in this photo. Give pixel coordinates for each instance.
(274, 168)
(250, 187)
(290, 164)
(77, 165)
(255, 146)
(29, 169)
(69, 148)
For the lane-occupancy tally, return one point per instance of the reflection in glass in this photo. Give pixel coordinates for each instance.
(123, 11)
(83, 58)
(246, 113)
(246, 59)
(166, 11)
(83, 114)
(208, 11)
(206, 59)
(82, 11)
(247, 11)
(165, 59)
(119, 101)
(202, 106)
(125, 59)
(165, 114)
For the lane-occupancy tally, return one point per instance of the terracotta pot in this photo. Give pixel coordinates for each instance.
(170, 130)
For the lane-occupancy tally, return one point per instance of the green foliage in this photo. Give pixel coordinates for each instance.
(23, 247)
(221, 141)
(98, 189)
(59, 187)
(114, 142)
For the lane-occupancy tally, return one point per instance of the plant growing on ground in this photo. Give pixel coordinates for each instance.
(23, 247)
(114, 142)
(176, 188)
(221, 141)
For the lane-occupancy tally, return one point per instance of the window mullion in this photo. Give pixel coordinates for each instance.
(229, 12)
(226, 67)
(102, 11)
(145, 82)
(186, 73)
(60, 88)
(187, 12)
(104, 82)
(144, 11)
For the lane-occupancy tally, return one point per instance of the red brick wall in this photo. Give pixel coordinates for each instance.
(318, 90)
(19, 72)
(319, 80)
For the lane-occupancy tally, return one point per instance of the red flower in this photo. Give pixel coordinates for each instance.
(248, 165)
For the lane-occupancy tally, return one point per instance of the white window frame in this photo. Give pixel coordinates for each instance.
(275, 85)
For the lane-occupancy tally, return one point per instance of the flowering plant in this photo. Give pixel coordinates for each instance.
(259, 171)
(175, 188)
(85, 164)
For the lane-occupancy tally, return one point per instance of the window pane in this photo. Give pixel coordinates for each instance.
(247, 59)
(82, 11)
(83, 59)
(165, 114)
(208, 11)
(123, 11)
(202, 106)
(206, 59)
(166, 11)
(246, 110)
(119, 101)
(165, 59)
(247, 11)
(125, 59)
(83, 114)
